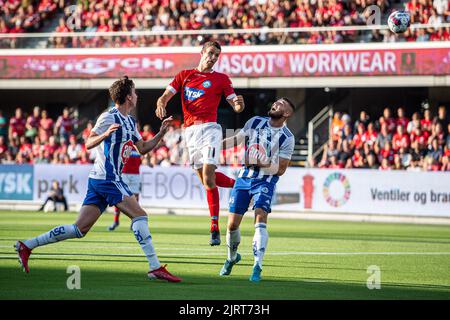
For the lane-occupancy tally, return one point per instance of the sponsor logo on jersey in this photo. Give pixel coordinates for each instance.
(206, 84)
(192, 94)
(127, 149)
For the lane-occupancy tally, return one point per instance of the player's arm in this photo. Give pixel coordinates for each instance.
(161, 104)
(281, 163)
(145, 147)
(282, 166)
(237, 103)
(95, 139)
(277, 168)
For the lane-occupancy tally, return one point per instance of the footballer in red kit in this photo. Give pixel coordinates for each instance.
(201, 90)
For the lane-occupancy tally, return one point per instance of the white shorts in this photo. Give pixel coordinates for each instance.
(133, 181)
(204, 143)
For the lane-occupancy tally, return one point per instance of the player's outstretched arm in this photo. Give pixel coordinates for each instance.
(95, 139)
(161, 104)
(237, 103)
(147, 146)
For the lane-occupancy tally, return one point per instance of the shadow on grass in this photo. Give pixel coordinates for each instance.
(48, 283)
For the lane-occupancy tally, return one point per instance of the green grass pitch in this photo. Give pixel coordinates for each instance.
(304, 260)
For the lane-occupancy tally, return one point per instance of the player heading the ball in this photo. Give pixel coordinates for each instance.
(201, 90)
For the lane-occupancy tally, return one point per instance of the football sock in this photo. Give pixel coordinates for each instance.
(224, 181)
(116, 215)
(212, 196)
(260, 243)
(233, 240)
(56, 234)
(139, 225)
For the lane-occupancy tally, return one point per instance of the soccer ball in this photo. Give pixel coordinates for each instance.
(399, 21)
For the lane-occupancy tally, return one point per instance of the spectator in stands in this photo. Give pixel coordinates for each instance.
(389, 120)
(346, 134)
(336, 126)
(426, 122)
(3, 125)
(87, 131)
(420, 136)
(437, 132)
(52, 146)
(25, 149)
(401, 118)
(386, 153)
(385, 164)
(74, 149)
(370, 136)
(445, 163)
(435, 152)
(400, 139)
(42, 157)
(36, 147)
(447, 140)
(358, 160)
(414, 123)
(147, 132)
(65, 124)
(405, 156)
(32, 124)
(443, 118)
(397, 163)
(372, 161)
(329, 151)
(383, 137)
(345, 152)
(46, 127)
(3, 147)
(360, 137)
(17, 125)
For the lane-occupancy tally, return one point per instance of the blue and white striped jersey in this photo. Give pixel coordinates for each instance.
(114, 151)
(273, 143)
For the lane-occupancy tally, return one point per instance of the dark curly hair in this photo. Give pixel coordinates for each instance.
(120, 89)
(290, 103)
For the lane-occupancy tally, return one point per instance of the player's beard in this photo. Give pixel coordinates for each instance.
(275, 114)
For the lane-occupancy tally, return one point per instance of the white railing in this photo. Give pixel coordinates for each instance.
(263, 30)
(324, 115)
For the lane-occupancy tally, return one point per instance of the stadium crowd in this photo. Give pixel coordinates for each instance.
(391, 142)
(38, 138)
(18, 16)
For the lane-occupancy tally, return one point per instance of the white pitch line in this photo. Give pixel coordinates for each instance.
(247, 253)
(124, 247)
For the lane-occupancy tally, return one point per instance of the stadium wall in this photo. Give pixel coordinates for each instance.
(367, 195)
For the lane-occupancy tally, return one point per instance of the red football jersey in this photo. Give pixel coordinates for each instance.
(17, 125)
(133, 163)
(201, 93)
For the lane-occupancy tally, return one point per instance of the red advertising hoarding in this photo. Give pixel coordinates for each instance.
(370, 62)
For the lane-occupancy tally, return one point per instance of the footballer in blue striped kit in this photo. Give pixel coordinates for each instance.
(269, 145)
